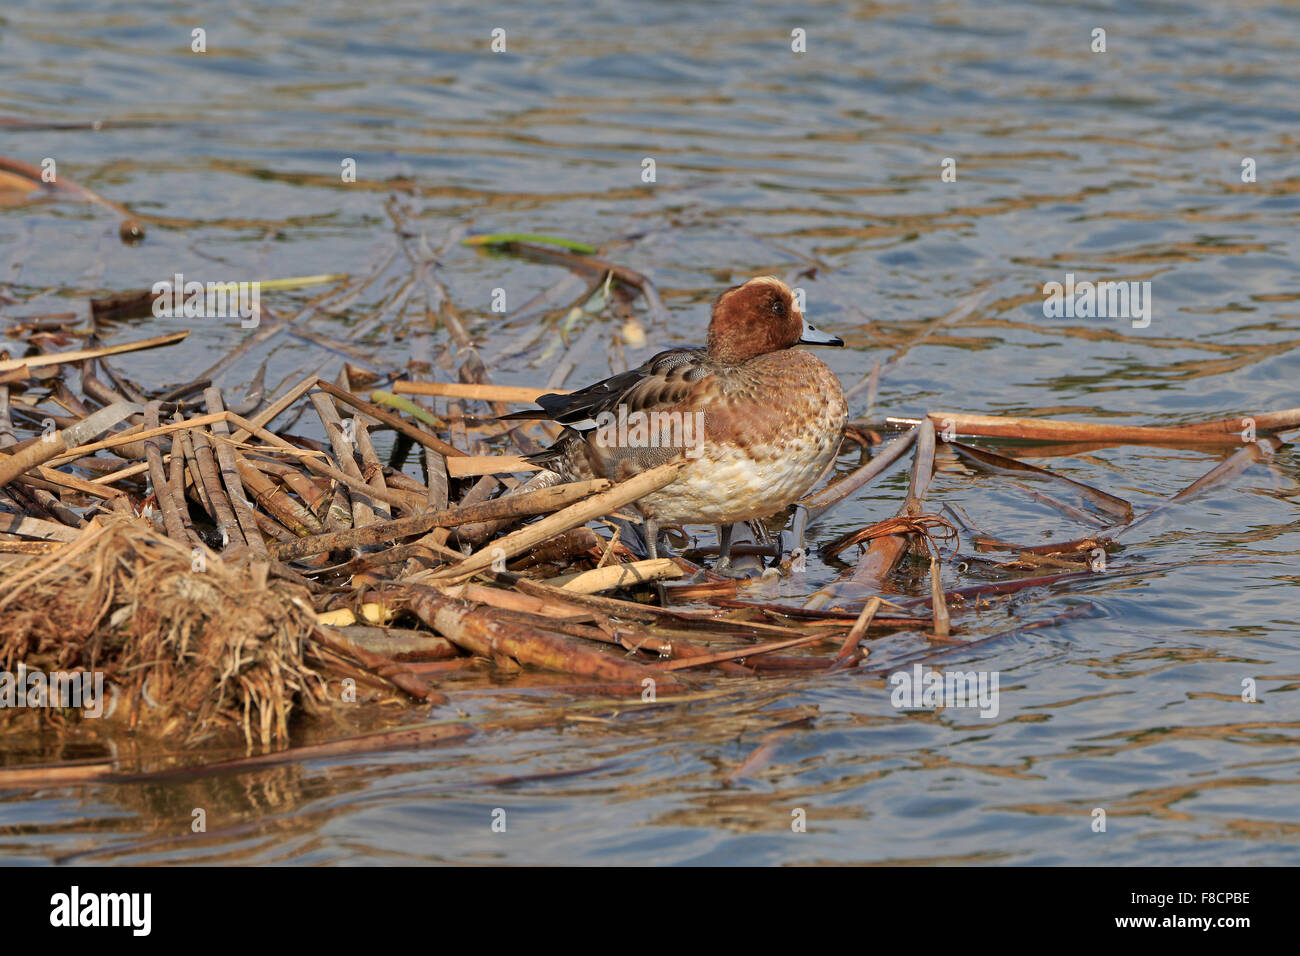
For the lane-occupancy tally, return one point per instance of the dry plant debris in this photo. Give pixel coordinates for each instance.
(228, 577)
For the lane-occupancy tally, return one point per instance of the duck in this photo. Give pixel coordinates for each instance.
(759, 419)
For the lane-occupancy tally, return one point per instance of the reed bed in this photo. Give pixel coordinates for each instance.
(238, 564)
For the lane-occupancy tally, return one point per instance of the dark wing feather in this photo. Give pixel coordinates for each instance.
(577, 408)
(663, 380)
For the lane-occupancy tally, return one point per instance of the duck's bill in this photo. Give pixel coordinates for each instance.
(813, 336)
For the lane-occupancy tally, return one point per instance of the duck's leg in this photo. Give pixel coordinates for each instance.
(723, 564)
(724, 546)
(650, 528)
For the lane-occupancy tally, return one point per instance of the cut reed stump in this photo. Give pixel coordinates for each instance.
(481, 631)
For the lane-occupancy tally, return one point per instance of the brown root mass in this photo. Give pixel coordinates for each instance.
(189, 644)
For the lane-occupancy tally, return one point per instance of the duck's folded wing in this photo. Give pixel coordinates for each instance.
(664, 380)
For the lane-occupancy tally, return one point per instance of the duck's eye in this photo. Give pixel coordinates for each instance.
(778, 308)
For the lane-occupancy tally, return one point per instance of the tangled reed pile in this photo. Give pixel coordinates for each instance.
(227, 577)
(183, 654)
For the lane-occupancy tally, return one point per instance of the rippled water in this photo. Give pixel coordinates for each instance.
(1118, 165)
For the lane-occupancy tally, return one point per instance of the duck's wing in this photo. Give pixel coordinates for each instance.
(665, 380)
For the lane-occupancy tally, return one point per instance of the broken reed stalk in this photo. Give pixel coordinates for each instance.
(312, 464)
(313, 497)
(849, 653)
(270, 527)
(46, 502)
(377, 413)
(543, 501)
(162, 490)
(193, 477)
(942, 627)
(471, 466)
(745, 653)
(422, 555)
(35, 528)
(898, 526)
(398, 643)
(73, 483)
(478, 631)
(395, 673)
(1073, 546)
(49, 447)
(176, 486)
(372, 471)
(504, 599)
(82, 355)
(818, 503)
(7, 435)
(133, 436)
(1262, 422)
(1117, 508)
(435, 479)
(1226, 431)
(571, 517)
(885, 553)
(230, 475)
(641, 613)
(222, 511)
(274, 499)
(485, 393)
(1075, 514)
(273, 411)
(363, 512)
(476, 533)
(1236, 463)
(620, 576)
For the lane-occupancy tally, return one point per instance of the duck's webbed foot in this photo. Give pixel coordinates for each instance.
(724, 568)
(723, 565)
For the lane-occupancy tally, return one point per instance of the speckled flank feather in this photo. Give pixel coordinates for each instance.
(771, 427)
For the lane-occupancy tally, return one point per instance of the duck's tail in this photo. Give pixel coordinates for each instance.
(552, 458)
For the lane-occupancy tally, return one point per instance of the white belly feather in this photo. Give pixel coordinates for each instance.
(730, 483)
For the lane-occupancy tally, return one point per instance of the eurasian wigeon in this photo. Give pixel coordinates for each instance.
(760, 419)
